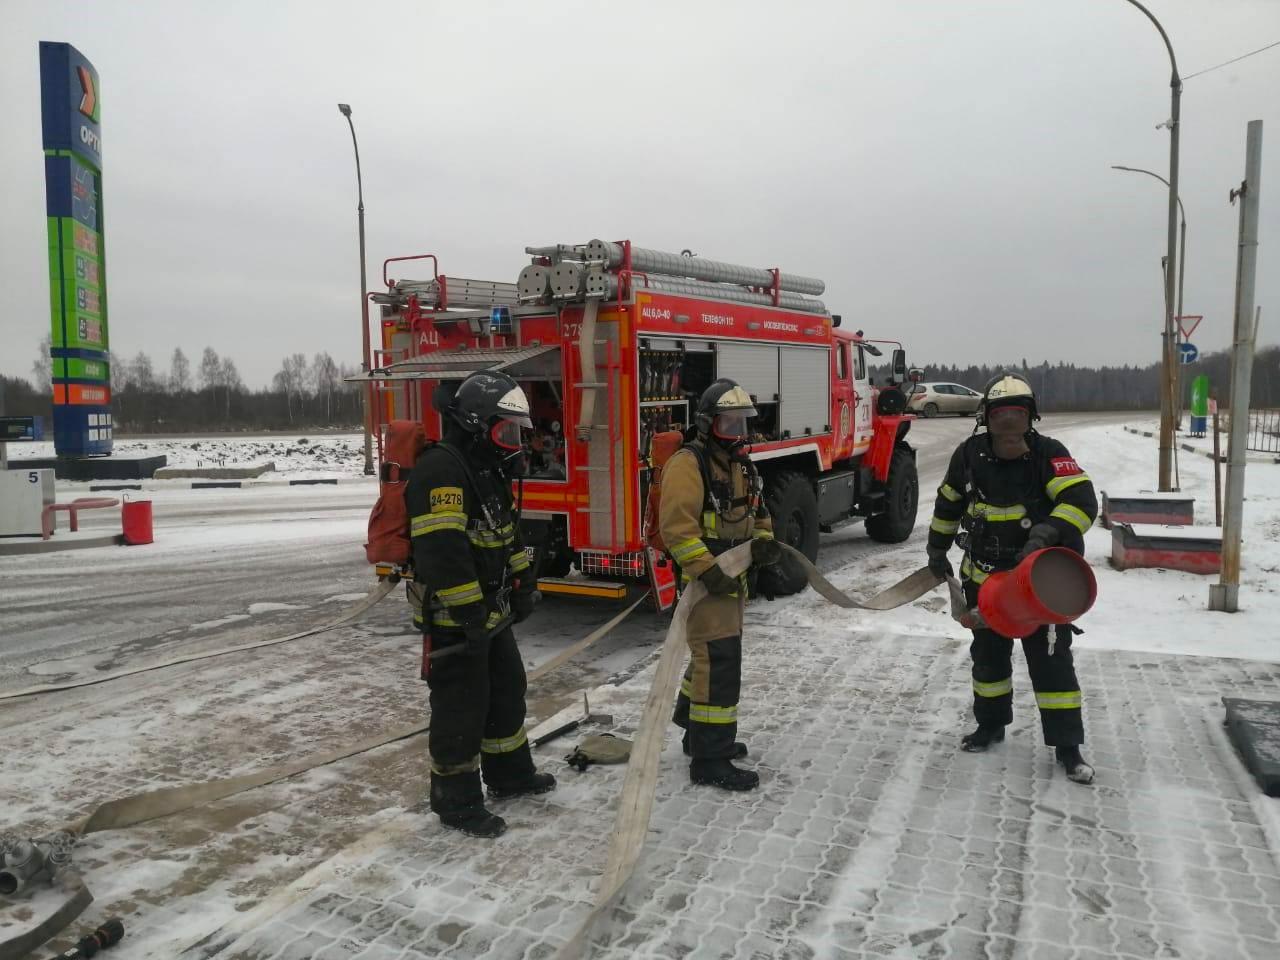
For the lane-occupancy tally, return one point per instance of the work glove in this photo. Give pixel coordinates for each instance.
(938, 562)
(718, 582)
(765, 551)
(1042, 535)
(523, 602)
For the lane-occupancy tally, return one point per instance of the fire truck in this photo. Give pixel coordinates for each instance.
(613, 344)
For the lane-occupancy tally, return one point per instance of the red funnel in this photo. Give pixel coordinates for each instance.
(1050, 586)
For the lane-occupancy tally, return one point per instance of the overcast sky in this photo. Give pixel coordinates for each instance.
(944, 166)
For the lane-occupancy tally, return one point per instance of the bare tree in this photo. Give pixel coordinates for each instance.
(179, 372)
(229, 378)
(42, 368)
(291, 380)
(324, 374)
(210, 369)
(144, 375)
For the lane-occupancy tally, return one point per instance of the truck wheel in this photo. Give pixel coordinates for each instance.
(930, 410)
(902, 497)
(793, 506)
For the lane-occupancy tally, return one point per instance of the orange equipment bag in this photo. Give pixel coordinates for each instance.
(661, 449)
(389, 522)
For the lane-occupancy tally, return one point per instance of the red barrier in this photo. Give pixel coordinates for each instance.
(1050, 586)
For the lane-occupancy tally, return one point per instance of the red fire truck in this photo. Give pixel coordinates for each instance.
(613, 345)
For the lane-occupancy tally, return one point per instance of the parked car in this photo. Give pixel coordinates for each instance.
(932, 399)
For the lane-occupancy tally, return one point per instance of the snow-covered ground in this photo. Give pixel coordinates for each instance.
(870, 836)
(297, 455)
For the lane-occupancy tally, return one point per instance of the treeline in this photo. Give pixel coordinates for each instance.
(312, 393)
(211, 396)
(1068, 387)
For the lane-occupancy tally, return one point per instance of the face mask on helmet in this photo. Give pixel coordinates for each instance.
(505, 435)
(730, 426)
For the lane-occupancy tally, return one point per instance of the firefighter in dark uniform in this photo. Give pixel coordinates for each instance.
(473, 582)
(1014, 492)
(710, 502)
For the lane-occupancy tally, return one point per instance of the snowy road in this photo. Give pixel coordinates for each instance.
(897, 805)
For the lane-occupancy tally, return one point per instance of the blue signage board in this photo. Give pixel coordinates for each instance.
(71, 123)
(1187, 353)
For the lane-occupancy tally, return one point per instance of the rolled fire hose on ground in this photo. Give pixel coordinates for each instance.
(636, 802)
(378, 591)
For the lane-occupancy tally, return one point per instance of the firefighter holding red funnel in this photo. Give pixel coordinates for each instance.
(1016, 499)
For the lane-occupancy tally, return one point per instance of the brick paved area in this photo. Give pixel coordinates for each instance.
(871, 836)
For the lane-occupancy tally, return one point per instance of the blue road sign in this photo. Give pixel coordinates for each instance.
(1187, 353)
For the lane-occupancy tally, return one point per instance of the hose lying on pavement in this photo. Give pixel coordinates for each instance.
(635, 805)
(379, 590)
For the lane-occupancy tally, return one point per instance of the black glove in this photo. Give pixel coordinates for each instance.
(939, 563)
(1042, 535)
(523, 602)
(718, 582)
(765, 551)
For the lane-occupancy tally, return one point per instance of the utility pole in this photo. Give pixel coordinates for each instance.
(345, 110)
(1168, 361)
(1224, 595)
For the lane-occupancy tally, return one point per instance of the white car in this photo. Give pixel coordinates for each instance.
(933, 399)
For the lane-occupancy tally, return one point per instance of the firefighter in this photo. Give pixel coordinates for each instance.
(1014, 492)
(710, 502)
(474, 581)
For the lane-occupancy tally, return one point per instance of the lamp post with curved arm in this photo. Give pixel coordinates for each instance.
(345, 110)
(1166, 392)
(1182, 272)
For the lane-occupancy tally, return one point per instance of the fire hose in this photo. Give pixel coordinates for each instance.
(641, 781)
(376, 593)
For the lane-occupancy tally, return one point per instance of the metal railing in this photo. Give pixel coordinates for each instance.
(1264, 431)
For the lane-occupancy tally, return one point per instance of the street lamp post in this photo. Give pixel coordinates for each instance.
(345, 110)
(1166, 392)
(1182, 272)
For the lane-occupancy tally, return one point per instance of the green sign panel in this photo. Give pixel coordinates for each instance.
(1200, 396)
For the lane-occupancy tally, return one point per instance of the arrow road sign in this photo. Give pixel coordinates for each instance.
(1187, 353)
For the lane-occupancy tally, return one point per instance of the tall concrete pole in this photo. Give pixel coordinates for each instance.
(1168, 359)
(1224, 595)
(365, 361)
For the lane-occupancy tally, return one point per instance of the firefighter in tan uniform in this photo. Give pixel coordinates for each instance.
(711, 502)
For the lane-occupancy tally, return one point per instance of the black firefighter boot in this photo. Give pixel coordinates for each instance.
(983, 737)
(459, 803)
(510, 775)
(720, 772)
(739, 748)
(1074, 764)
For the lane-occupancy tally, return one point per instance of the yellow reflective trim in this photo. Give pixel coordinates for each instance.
(1068, 700)
(996, 688)
(1058, 484)
(972, 571)
(688, 550)
(938, 525)
(1073, 515)
(441, 618)
(449, 769)
(518, 561)
(759, 534)
(505, 744)
(686, 687)
(996, 514)
(950, 492)
(434, 522)
(706, 713)
(709, 521)
(462, 594)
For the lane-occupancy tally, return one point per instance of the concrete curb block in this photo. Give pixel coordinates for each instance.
(1222, 458)
(9, 549)
(147, 486)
